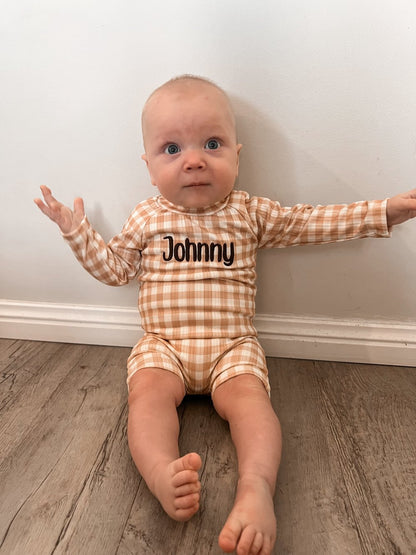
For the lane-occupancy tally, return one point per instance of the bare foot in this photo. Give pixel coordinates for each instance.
(177, 486)
(251, 526)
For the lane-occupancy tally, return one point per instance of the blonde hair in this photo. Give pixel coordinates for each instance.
(184, 79)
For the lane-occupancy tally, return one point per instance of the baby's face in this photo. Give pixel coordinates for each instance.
(190, 144)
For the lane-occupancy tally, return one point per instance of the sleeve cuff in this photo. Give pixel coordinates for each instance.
(74, 234)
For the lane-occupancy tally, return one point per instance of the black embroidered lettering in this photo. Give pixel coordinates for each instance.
(188, 246)
(212, 248)
(197, 252)
(170, 240)
(179, 248)
(228, 260)
(206, 249)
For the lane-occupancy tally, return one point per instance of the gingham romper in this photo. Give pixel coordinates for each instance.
(196, 269)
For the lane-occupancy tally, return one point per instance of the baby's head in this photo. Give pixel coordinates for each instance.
(190, 142)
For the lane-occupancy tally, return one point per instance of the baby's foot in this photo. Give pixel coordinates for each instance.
(251, 526)
(177, 486)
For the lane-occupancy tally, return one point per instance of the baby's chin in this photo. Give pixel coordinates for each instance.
(198, 195)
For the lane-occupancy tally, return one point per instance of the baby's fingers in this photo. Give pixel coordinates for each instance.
(55, 210)
(39, 204)
(79, 207)
(79, 211)
(49, 198)
(62, 215)
(44, 207)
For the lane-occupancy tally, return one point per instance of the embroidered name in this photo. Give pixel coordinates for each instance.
(196, 252)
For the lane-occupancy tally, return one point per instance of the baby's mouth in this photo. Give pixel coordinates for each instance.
(196, 185)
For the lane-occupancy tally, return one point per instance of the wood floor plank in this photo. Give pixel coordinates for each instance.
(98, 517)
(358, 427)
(309, 495)
(150, 531)
(205, 432)
(377, 425)
(18, 364)
(45, 474)
(26, 404)
(5, 346)
(347, 481)
(351, 472)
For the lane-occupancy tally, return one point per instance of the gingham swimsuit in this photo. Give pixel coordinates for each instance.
(196, 269)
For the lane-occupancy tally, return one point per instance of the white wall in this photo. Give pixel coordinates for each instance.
(324, 94)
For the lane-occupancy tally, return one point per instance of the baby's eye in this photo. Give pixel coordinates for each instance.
(172, 148)
(212, 144)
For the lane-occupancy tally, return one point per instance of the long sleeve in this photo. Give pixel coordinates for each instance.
(114, 264)
(276, 226)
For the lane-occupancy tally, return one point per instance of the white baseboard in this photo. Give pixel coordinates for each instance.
(366, 341)
(67, 323)
(342, 340)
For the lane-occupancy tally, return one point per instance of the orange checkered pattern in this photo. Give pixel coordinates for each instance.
(201, 364)
(196, 267)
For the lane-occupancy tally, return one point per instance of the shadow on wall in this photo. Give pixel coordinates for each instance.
(278, 163)
(264, 147)
(266, 169)
(315, 280)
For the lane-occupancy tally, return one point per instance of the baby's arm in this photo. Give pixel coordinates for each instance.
(278, 226)
(401, 208)
(114, 264)
(64, 217)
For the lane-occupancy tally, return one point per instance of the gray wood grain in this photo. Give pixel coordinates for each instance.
(347, 481)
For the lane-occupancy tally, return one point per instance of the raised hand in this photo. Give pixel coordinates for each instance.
(68, 220)
(401, 208)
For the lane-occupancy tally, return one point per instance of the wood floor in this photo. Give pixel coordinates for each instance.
(347, 483)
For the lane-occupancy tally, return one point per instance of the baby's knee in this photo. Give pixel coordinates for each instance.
(155, 383)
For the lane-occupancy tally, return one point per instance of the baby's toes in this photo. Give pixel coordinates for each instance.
(188, 488)
(187, 501)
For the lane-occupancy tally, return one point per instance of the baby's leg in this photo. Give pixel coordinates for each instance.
(153, 430)
(255, 430)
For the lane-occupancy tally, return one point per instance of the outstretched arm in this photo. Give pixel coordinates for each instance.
(68, 220)
(114, 264)
(401, 208)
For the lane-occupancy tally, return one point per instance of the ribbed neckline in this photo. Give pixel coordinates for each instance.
(204, 211)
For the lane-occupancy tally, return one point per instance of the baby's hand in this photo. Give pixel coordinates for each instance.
(66, 219)
(401, 208)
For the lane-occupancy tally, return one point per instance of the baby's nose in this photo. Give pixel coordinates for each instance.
(194, 160)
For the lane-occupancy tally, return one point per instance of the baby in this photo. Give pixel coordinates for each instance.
(193, 248)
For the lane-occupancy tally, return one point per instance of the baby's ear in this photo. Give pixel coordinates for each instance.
(239, 147)
(146, 159)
